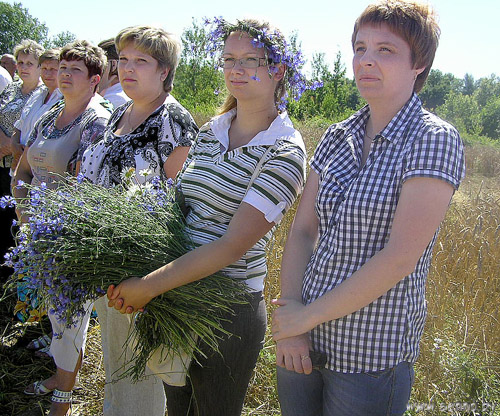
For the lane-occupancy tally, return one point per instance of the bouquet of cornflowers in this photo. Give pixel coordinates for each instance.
(276, 50)
(82, 237)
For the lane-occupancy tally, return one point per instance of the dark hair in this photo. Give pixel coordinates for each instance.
(109, 48)
(415, 22)
(92, 56)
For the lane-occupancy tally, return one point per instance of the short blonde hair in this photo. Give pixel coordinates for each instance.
(161, 45)
(415, 22)
(28, 47)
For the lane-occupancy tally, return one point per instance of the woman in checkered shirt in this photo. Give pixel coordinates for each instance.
(356, 261)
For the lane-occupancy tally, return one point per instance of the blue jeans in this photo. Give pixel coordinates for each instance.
(330, 393)
(218, 382)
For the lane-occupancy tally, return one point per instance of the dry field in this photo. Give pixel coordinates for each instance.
(458, 372)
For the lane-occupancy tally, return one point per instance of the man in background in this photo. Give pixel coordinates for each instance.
(5, 78)
(9, 63)
(110, 87)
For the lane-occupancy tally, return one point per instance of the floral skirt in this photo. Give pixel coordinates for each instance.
(28, 308)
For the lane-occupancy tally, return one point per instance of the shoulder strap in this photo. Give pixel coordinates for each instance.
(258, 167)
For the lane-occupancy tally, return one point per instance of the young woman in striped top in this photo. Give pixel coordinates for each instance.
(229, 221)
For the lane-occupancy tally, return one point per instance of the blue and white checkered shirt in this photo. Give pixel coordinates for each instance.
(356, 208)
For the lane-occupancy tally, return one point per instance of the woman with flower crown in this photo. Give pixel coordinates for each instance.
(244, 171)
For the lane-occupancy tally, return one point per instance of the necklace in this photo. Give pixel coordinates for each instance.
(129, 123)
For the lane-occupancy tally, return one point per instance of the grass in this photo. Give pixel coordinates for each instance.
(458, 371)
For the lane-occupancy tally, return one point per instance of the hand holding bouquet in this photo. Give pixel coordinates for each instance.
(81, 238)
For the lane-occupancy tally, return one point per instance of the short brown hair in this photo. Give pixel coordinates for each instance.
(28, 47)
(415, 22)
(49, 55)
(109, 48)
(161, 45)
(92, 56)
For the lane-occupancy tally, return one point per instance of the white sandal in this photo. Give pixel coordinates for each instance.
(38, 389)
(40, 342)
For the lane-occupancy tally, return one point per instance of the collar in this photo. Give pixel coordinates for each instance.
(355, 125)
(281, 127)
(114, 89)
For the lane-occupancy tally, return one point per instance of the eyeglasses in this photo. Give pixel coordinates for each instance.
(250, 62)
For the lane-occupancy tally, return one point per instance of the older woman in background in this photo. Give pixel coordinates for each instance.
(38, 104)
(152, 132)
(12, 100)
(55, 147)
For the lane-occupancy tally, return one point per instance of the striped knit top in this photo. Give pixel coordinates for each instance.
(214, 182)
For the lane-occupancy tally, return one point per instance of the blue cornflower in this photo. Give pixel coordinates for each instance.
(7, 202)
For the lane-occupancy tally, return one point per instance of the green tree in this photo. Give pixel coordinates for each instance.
(488, 89)
(437, 88)
(469, 85)
(17, 24)
(62, 39)
(337, 99)
(463, 112)
(490, 119)
(197, 81)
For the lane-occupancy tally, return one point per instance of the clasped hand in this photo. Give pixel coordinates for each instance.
(289, 319)
(129, 296)
(290, 330)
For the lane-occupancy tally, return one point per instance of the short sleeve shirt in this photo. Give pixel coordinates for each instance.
(146, 148)
(355, 207)
(214, 182)
(34, 109)
(54, 151)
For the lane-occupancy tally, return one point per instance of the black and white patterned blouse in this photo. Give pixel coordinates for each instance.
(146, 148)
(355, 207)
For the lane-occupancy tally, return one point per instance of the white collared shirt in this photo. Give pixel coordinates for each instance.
(214, 182)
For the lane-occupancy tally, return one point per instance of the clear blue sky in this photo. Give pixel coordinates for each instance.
(469, 38)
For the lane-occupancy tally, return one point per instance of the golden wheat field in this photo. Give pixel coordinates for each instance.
(458, 372)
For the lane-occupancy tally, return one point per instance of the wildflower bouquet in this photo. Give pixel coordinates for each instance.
(81, 238)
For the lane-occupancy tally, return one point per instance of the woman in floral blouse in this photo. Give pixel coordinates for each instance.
(151, 133)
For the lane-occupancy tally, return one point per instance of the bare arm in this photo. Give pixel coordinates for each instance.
(421, 208)
(301, 241)
(246, 228)
(290, 352)
(16, 147)
(175, 160)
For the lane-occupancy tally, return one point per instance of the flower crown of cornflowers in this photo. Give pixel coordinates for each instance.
(276, 50)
